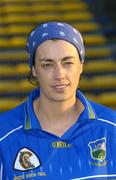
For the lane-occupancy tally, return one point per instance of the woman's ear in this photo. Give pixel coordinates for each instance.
(34, 71)
(81, 68)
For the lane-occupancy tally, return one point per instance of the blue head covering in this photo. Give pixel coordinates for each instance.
(54, 30)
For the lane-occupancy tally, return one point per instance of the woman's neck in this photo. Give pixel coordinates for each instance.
(57, 117)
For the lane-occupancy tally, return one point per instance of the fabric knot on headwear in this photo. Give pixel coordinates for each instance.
(54, 30)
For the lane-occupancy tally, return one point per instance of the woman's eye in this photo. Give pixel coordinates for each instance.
(47, 65)
(68, 63)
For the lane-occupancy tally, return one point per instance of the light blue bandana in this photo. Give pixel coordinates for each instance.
(54, 30)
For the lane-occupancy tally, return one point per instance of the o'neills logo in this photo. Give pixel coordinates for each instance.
(26, 160)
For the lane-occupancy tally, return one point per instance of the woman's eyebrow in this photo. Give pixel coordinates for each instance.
(46, 60)
(68, 57)
(51, 60)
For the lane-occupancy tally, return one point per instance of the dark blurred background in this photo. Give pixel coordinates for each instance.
(105, 14)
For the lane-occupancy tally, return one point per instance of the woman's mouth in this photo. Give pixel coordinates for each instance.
(60, 87)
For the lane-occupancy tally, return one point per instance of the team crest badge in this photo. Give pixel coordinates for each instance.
(26, 160)
(98, 149)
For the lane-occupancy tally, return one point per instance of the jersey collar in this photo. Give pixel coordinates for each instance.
(89, 110)
(31, 121)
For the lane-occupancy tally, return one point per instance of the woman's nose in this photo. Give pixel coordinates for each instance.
(59, 72)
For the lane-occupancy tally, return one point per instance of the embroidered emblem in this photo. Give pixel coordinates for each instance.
(98, 151)
(26, 160)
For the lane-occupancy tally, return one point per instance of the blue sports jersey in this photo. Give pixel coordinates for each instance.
(87, 150)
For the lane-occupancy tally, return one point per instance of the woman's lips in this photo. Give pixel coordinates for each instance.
(60, 87)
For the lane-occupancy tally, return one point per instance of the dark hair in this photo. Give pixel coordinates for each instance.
(32, 79)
